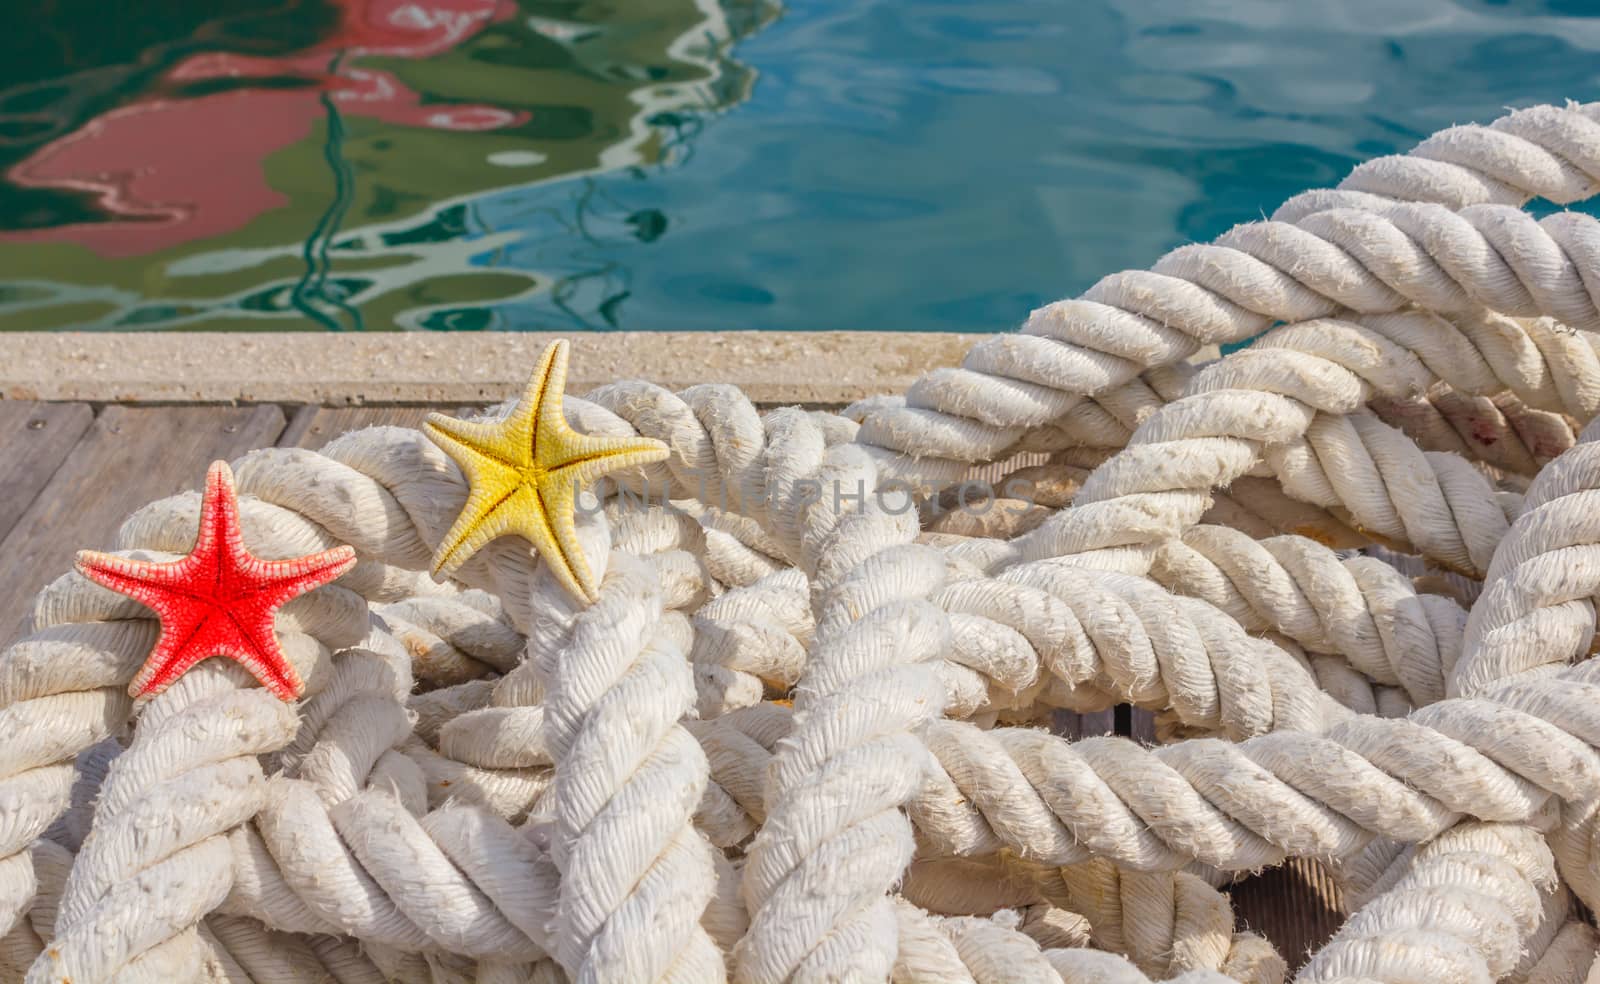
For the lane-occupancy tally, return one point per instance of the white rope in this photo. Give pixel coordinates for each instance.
(630, 802)
(1319, 441)
(49, 864)
(190, 775)
(1537, 606)
(397, 459)
(867, 685)
(749, 639)
(635, 875)
(1500, 431)
(63, 689)
(993, 950)
(1165, 923)
(1435, 915)
(453, 638)
(343, 744)
(1163, 920)
(1307, 795)
(1358, 608)
(1460, 911)
(1537, 611)
(246, 953)
(1540, 152)
(1320, 255)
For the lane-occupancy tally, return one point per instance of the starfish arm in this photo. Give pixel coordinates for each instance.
(173, 656)
(589, 459)
(485, 444)
(557, 444)
(544, 394)
(491, 477)
(470, 531)
(539, 520)
(581, 472)
(287, 579)
(143, 581)
(455, 549)
(257, 649)
(219, 514)
(617, 453)
(566, 558)
(545, 386)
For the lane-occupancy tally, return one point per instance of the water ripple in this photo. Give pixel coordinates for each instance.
(848, 164)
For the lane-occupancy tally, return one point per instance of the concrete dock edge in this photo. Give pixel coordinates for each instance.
(384, 367)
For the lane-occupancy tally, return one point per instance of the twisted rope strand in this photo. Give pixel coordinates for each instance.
(189, 776)
(1324, 447)
(565, 815)
(1320, 254)
(866, 686)
(635, 875)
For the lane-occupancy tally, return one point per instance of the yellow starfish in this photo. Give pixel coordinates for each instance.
(524, 473)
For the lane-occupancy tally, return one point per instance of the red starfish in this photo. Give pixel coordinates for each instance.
(220, 599)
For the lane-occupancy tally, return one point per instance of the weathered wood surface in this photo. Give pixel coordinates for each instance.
(312, 427)
(1295, 905)
(36, 439)
(69, 477)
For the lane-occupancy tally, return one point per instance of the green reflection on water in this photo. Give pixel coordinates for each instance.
(372, 225)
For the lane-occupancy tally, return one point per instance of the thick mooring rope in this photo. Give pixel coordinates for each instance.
(804, 729)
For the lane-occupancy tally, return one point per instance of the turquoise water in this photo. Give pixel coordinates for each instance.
(484, 164)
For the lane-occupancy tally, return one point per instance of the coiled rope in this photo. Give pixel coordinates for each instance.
(805, 737)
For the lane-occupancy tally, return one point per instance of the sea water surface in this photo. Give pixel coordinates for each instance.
(710, 164)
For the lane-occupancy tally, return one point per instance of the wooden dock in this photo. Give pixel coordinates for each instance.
(71, 472)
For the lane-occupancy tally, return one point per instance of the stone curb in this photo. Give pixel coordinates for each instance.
(353, 369)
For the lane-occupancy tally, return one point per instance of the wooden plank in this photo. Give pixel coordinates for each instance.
(1141, 726)
(1092, 724)
(129, 457)
(35, 439)
(300, 419)
(1295, 905)
(312, 427)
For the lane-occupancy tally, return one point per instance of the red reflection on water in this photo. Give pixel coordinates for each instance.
(178, 170)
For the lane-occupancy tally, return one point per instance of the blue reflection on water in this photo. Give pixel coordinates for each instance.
(947, 165)
(898, 164)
